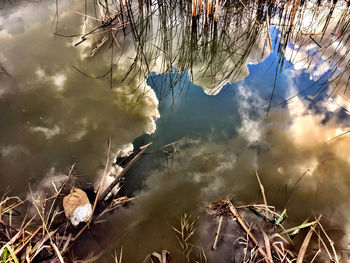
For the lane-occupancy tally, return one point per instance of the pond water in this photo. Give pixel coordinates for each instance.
(225, 90)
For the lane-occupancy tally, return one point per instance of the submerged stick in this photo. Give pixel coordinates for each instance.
(217, 233)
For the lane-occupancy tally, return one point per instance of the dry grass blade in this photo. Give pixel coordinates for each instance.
(119, 260)
(185, 233)
(304, 246)
(158, 258)
(278, 246)
(28, 240)
(267, 247)
(331, 243)
(262, 189)
(4, 208)
(315, 256)
(58, 253)
(296, 229)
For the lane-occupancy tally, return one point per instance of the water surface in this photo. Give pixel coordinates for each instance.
(222, 89)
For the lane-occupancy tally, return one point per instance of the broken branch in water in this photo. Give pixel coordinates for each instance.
(121, 174)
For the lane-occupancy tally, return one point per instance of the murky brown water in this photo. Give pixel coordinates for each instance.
(52, 115)
(57, 109)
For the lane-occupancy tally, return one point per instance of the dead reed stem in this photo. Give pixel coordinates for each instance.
(263, 194)
(217, 233)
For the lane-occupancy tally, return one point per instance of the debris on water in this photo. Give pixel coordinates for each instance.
(270, 241)
(77, 206)
(158, 258)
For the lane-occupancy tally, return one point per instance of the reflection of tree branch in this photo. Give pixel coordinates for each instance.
(3, 3)
(215, 51)
(92, 77)
(336, 137)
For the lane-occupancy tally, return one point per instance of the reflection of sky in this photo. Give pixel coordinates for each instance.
(53, 120)
(229, 137)
(192, 112)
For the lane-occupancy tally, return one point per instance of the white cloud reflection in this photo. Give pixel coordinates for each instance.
(54, 112)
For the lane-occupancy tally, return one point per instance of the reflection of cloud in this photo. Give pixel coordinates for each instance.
(212, 58)
(78, 119)
(320, 53)
(21, 15)
(47, 186)
(46, 95)
(125, 150)
(49, 133)
(228, 67)
(251, 126)
(307, 129)
(206, 168)
(59, 81)
(11, 151)
(336, 103)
